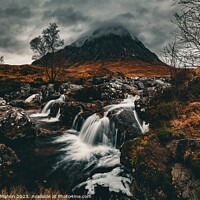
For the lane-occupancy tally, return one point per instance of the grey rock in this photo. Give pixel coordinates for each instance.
(2, 102)
(34, 99)
(18, 103)
(15, 124)
(25, 90)
(186, 185)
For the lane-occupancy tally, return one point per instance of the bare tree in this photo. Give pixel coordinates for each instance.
(1, 59)
(170, 55)
(187, 20)
(45, 47)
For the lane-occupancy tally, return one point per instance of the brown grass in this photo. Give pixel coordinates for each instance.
(29, 73)
(129, 68)
(188, 123)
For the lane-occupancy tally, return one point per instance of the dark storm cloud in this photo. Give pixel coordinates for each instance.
(14, 12)
(66, 16)
(12, 23)
(21, 20)
(61, 3)
(127, 15)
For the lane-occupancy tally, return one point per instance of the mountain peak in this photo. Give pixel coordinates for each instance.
(106, 43)
(104, 31)
(116, 30)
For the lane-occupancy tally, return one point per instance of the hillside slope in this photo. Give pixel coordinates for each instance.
(104, 44)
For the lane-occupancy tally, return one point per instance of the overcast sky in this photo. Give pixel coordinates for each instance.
(22, 20)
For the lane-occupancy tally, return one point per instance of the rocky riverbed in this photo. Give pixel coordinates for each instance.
(34, 139)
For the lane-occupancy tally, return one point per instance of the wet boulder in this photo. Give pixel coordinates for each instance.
(126, 123)
(8, 161)
(64, 87)
(69, 111)
(2, 102)
(149, 87)
(74, 87)
(12, 96)
(140, 85)
(99, 80)
(3, 110)
(19, 93)
(116, 89)
(15, 124)
(47, 91)
(185, 183)
(34, 99)
(53, 91)
(25, 90)
(105, 88)
(55, 109)
(185, 172)
(18, 103)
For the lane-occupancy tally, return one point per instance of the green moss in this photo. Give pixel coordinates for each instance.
(134, 161)
(128, 155)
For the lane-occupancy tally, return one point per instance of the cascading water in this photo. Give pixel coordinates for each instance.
(96, 130)
(78, 121)
(92, 153)
(44, 114)
(102, 130)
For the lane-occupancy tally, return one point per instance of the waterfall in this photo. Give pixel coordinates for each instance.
(97, 130)
(92, 154)
(74, 125)
(129, 102)
(52, 119)
(98, 164)
(46, 110)
(78, 121)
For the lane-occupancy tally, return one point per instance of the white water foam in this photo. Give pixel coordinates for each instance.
(96, 130)
(52, 119)
(112, 180)
(77, 150)
(93, 147)
(129, 102)
(75, 122)
(46, 111)
(99, 156)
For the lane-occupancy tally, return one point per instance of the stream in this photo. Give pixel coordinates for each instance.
(84, 161)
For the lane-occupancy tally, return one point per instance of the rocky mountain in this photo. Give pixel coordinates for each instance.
(107, 43)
